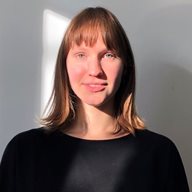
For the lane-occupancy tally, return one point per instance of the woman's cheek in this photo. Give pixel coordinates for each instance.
(114, 74)
(75, 73)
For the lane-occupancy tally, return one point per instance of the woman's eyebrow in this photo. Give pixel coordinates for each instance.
(78, 48)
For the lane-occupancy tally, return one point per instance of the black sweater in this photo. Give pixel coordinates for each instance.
(35, 161)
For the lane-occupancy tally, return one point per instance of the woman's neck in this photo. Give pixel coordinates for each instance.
(93, 123)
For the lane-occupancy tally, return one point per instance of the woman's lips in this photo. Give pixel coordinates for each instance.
(95, 87)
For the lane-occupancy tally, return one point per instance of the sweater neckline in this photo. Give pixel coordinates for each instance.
(79, 139)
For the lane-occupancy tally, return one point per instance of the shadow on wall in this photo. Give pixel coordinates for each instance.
(165, 76)
(167, 102)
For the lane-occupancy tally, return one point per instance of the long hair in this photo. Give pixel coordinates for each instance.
(86, 27)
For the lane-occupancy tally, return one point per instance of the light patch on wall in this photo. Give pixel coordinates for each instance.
(54, 26)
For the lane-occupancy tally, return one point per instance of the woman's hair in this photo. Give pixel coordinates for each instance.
(86, 27)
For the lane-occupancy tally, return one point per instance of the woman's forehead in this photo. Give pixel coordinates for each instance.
(89, 36)
(87, 40)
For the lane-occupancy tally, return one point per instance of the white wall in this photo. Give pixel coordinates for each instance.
(20, 64)
(160, 34)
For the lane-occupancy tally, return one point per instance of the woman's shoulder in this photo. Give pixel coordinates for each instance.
(167, 158)
(21, 143)
(26, 138)
(154, 139)
(150, 135)
(28, 135)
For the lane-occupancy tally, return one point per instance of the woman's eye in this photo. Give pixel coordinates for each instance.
(109, 55)
(80, 55)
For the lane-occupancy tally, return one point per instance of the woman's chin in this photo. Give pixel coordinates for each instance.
(101, 104)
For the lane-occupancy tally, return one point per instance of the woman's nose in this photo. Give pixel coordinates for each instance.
(95, 68)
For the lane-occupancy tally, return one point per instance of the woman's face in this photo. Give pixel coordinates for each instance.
(94, 73)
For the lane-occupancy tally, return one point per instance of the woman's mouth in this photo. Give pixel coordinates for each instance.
(95, 87)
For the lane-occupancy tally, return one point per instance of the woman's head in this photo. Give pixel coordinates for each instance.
(94, 74)
(87, 27)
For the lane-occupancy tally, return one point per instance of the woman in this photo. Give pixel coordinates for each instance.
(92, 139)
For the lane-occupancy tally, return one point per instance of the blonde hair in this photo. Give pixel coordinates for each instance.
(85, 27)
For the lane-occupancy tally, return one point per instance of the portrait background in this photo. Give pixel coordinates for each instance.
(160, 35)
